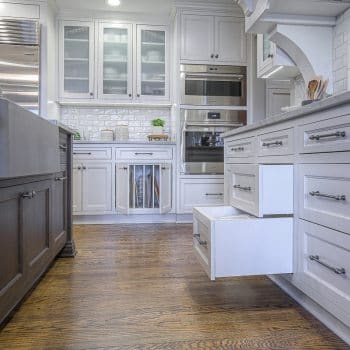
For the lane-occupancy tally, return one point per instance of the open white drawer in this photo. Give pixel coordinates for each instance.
(262, 190)
(228, 242)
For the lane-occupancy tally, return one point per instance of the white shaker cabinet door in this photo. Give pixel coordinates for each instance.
(122, 188)
(197, 38)
(97, 187)
(165, 189)
(230, 40)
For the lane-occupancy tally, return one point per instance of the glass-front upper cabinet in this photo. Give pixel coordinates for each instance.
(152, 63)
(76, 59)
(115, 61)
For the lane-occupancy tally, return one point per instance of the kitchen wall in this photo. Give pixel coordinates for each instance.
(297, 91)
(89, 121)
(341, 53)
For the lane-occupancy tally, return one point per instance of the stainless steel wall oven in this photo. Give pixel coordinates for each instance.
(213, 85)
(202, 148)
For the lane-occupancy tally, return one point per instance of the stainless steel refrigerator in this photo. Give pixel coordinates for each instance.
(20, 62)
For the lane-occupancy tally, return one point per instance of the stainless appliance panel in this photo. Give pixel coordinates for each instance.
(213, 85)
(202, 147)
(20, 62)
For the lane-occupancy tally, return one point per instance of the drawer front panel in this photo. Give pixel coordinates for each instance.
(92, 153)
(245, 188)
(324, 196)
(144, 154)
(276, 143)
(196, 194)
(330, 135)
(202, 244)
(325, 267)
(240, 148)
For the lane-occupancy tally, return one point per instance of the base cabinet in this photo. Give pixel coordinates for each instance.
(29, 236)
(143, 188)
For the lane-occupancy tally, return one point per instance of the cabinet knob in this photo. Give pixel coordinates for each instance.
(79, 167)
(138, 95)
(270, 55)
(130, 95)
(91, 94)
(84, 167)
(125, 168)
(216, 56)
(212, 55)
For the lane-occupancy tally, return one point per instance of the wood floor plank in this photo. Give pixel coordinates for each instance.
(140, 287)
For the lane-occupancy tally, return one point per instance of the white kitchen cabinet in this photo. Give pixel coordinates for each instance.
(272, 62)
(277, 96)
(92, 188)
(152, 81)
(76, 60)
(212, 39)
(199, 192)
(143, 188)
(114, 61)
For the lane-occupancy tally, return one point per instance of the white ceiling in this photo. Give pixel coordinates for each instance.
(140, 6)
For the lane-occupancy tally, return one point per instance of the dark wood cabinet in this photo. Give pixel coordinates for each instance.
(59, 212)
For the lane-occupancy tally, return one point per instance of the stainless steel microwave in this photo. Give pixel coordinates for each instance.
(211, 85)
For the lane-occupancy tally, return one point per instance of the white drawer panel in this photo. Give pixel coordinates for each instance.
(195, 193)
(325, 268)
(276, 143)
(202, 243)
(321, 191)
(241, 245)
(243, 148)
(329, 135)
(262, 189)
(144, 154)
(92, 153)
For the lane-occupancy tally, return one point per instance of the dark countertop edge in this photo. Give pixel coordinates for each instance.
(327, 103)
(62, 126)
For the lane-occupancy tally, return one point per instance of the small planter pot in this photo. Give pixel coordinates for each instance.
(157, 130)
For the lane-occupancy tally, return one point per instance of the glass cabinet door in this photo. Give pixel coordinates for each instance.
(115, 61)
(267, 51)
(152, 55)
(77, 59)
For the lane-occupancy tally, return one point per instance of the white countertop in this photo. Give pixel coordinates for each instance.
(125, 142)
(327, 103)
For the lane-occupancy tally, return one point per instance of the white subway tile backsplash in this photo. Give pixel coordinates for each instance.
(90, 121)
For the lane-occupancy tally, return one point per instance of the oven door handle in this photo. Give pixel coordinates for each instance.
(210, 76)
(228, 125)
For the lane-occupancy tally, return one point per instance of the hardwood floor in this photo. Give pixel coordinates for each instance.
(140, 287)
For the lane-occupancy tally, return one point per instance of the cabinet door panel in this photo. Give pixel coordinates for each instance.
(115, 61)
(122, 188)
(59, 217)
(11, 253)
(230, 42)
(76, 59)
(152, 62)
(165, 189)
(97, 187)
(36, 227)
(275, 100)
(197, 38)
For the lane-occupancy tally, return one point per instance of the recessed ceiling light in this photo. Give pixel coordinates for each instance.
(113, 2)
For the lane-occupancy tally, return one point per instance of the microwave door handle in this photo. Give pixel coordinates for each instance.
(203, 125)
(205, 76)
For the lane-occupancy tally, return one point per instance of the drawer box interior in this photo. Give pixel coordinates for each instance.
(229, 242)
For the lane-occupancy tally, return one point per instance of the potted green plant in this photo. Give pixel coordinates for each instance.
(158, 126)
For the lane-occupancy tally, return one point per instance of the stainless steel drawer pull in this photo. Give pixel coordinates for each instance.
(28, 195)
(341, 197)
(334, 134)
(63, 147)
(237, 149)
(86, 153)
(214, 194)
(276, 143)
(198, 238)
(64, 178)
(337, 270)
(143, 153)
(243, 188)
